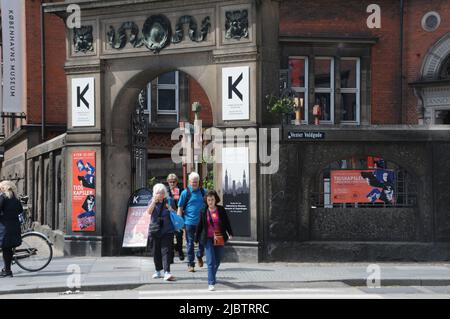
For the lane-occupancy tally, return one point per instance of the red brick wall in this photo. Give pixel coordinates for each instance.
(197, 94)
(56, 96)
(337, 18)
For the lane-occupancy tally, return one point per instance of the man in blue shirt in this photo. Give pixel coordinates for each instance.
(189, 206)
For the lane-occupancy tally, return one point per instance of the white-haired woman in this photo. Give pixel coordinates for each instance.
(10, 208)
(162, 230)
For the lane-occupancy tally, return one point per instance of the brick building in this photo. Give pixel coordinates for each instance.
(383, 94)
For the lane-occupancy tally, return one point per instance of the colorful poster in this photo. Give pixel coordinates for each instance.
(83, 191)
(363, 186)
(138, 221)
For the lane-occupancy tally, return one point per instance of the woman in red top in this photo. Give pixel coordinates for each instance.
(213, 231)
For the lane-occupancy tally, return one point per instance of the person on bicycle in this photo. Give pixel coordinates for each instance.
(10, 237)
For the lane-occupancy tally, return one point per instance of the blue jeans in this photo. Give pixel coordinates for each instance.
(190, 237)
(214, 255)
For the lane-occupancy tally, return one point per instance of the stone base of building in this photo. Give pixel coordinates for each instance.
(85, 246)
(358, 252)
(245, 252)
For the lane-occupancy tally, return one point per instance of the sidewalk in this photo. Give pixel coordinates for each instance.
(117, 273)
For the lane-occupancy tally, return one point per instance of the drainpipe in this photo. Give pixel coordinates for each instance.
(402, 9)
(43, 78)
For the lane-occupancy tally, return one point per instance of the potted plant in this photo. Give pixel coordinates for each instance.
(283, 105)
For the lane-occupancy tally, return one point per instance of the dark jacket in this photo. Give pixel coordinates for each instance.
(10, 208)
(202, 228)
(166, 222)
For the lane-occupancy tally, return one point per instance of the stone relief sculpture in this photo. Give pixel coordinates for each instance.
(119, 39)
(194, 34)
(83, 40)
(156, 32)
(236, 24)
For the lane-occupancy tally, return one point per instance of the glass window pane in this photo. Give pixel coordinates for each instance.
(324, 101)
(348, 102)
(166, 100)
(297, 68)
(322, 73)
(348, 73)
(167, 78)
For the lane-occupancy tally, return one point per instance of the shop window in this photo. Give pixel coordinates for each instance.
(442, 117)
(298, 69)
(350, 89)
(368, 182)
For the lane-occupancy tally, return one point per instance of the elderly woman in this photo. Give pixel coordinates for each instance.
(174, 196)
(10, 208)
(161, 230)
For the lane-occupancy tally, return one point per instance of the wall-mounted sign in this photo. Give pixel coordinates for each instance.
(138, 221)
(14, 64)
(235, 93)
(363, 186)
(83, 191)
(236, 189)
(83, 102)
(306, 135)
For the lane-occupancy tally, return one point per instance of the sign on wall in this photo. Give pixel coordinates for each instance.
(235, 93)
(14, 64)
(83, 191)
(363, 186)
(138, 221)
(83, 102)
(236, 188)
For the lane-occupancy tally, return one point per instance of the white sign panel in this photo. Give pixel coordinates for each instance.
(235, 93)
(83, 102)
(14, 66)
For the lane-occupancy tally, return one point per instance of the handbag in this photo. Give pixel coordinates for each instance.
(155, 226)
(177, 221)
(218, 237)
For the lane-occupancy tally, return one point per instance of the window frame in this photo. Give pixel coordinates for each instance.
(305, 89)
(331, 90)
(356, 90)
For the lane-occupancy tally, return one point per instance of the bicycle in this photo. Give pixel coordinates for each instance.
(36, 251)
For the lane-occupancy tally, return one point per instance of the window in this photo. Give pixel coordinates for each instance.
(442, 117)
(367, 182)
(350, 90)
(298, 68)
(324, 88)
(167, 94)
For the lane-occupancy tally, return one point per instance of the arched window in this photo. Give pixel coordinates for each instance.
(368, 181)
(444, 73)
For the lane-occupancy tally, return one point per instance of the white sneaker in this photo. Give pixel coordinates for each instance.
(211, 288)
(157, 275)
(168, 277)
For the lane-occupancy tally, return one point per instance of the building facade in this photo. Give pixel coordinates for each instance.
(378, 74)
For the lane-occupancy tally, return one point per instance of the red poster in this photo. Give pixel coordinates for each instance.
(362, 186)
(136, 230)
(83, 191)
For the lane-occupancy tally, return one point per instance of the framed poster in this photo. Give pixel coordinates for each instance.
(83, 102)
(236, 190)
(137, 223)
(83, 191)
(235, 93)
(363, 186)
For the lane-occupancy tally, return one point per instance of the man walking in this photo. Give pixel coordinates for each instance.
(189, 206)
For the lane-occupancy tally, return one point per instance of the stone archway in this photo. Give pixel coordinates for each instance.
(123, 81)
(435, 58)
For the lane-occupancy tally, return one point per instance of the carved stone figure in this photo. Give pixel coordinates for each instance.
(236, 24)
(194, 34)
(83, 40)
(118, 40)
(156, 33)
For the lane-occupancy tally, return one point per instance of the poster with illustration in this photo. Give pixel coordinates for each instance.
(83, 191)
(138, 221)
(363, 186)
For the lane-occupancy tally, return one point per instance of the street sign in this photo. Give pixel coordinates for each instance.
(235, 93)
(83, 102)
(306, 135)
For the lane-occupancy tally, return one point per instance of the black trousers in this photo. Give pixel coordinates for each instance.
(8, 254)
(162, 252)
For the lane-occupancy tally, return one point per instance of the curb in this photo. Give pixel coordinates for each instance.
(129, 286)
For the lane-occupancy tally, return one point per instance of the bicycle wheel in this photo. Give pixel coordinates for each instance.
(34, 254)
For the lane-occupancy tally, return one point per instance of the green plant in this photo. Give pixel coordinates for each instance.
(208, 181)
(281, 105)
